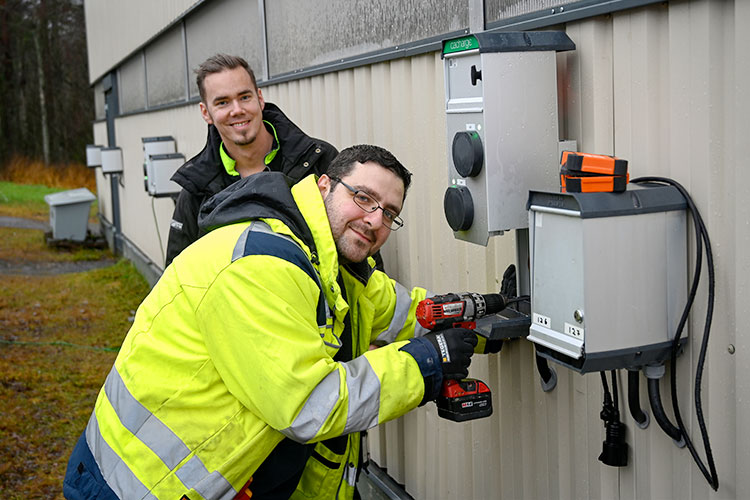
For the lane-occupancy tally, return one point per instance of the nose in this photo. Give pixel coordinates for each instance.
(374, 218)
(235, 107)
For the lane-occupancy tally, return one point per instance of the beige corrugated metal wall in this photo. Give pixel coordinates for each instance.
(665, 87)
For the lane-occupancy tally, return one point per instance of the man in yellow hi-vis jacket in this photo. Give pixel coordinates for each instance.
(248, 368)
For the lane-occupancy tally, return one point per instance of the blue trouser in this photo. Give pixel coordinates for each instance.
(83, 480)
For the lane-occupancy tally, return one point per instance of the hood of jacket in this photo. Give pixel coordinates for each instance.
(262, 195)
(269, 195)
(205, 174)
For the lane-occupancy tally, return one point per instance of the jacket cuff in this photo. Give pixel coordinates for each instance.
(426, 356)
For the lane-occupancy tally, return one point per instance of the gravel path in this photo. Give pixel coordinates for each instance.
(29, 268)
(23, 223)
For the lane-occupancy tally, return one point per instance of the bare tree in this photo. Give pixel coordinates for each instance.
(46, 103)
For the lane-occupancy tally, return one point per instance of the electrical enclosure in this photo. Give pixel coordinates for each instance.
(502, 127)
(93, 156)
(111, 160)
(608, 275)
(160, 161)
(160, 169)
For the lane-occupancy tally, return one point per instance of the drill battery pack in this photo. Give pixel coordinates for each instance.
(465, 399)
(590, 173)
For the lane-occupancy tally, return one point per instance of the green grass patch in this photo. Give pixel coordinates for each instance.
(58, 337)
(27, 200)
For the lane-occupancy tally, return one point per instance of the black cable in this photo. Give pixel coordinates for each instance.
(660, 416)
(517, 299)
(614, 393)
(701, 237)
(634, 401)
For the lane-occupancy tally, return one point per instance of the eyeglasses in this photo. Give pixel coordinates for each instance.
(367, 203)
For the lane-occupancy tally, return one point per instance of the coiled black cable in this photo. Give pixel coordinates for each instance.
(701, 236)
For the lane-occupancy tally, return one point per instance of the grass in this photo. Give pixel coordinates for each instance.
(58, 339)
(23, 184)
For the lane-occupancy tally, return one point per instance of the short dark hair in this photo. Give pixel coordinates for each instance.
(218, 63)
(362, 153)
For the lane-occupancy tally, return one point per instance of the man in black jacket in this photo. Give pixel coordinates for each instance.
(246, 135)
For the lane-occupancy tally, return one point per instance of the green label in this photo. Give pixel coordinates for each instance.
(461, 44)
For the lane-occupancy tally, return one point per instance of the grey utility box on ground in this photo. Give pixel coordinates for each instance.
(608, 276)
(69, 213)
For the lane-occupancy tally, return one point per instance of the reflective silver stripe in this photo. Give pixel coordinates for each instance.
(161, 441)
(239, 247)
(364, 395)
(329, 314)
(316, 410)
(114, 471)
(143, 424)
(400, 316)
(350, 474)
(215, 487)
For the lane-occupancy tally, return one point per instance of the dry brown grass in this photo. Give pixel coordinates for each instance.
(55, 175)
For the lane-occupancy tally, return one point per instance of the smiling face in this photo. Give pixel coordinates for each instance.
(359, 234)
(233, 105)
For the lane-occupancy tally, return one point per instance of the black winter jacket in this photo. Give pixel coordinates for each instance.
(203, 176)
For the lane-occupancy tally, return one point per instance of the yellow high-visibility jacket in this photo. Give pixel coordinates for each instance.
(233, 350)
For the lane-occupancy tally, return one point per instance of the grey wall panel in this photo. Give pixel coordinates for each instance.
(115, 29)
(230, 26)
(132, 84)
(740, 266)
(302, 34)
(498, 10)
(166, 75)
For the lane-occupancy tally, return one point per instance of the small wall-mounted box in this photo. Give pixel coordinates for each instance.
(157, 146)
(159, 170)
(608, 276)
(111, 160)
(93, 155)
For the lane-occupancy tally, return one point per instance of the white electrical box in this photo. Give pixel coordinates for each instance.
(93, 156)
(111, 160)
(158, 146)
(608, 275)
(502, 130)
(160, 161)
(159, 171)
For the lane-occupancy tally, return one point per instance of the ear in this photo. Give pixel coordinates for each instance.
(261, 100)
(205, 114)
(324, 184)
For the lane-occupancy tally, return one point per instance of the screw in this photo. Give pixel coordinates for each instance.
(731, 348)
(578, 315)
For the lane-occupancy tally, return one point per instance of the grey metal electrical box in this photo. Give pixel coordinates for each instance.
(608, 275)
(159, 171)
(160, 161)
(93, 156)
(69, 213)
(502, 131)
(111, 160)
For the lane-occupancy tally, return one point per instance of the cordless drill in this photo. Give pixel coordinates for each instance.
(466, 399)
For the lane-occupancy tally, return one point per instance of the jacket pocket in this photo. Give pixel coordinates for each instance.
(322, 473)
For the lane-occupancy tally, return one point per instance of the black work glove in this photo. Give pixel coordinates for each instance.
(454, 347)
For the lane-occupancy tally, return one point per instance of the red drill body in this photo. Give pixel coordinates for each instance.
(469, 398)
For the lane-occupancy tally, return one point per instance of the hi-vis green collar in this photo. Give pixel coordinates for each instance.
(229, 163)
